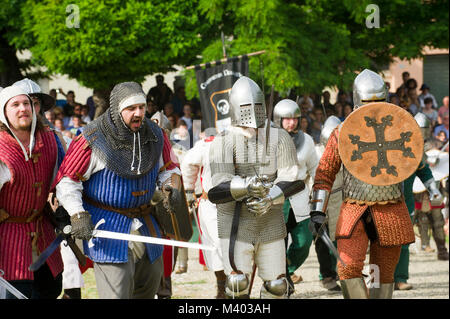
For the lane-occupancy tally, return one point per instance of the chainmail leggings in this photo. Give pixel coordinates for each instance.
(353, 252)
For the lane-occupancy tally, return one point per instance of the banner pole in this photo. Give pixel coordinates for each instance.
(224, 60)
(223, 45)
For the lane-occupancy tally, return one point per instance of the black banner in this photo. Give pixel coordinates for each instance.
(214, 84)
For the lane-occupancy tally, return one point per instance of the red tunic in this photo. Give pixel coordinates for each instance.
(25, 193)
(392, 221)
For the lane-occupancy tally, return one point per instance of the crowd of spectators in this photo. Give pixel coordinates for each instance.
(69, 116)
(406, 97)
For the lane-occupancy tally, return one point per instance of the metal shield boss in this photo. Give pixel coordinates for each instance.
(380, 144)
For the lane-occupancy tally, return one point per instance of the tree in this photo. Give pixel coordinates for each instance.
(310, 44)
(314, 44)
(101, 43)
(10, 66)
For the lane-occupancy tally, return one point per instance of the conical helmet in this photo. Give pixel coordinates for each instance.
(285, 109)
(368, 87)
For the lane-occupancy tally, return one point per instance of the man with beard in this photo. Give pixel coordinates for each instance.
(28, 164)
(111, 172)
(42, 103)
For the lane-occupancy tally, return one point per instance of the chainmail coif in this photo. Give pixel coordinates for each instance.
(128, 154)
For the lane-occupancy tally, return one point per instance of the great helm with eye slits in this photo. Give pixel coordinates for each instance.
(247, 104)
(368, 87)
(286, 109)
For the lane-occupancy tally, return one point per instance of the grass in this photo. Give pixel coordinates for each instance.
(89, 291)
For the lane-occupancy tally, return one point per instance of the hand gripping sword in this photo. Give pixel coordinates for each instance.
(63, 233)
(143, 239)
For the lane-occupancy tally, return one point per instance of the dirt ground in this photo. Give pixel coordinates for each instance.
(429, 277)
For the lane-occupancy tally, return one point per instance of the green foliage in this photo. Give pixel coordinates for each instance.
(309, 44)
(314, 44)
(115, 41)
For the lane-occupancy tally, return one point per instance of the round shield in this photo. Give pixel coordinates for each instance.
(380, 144)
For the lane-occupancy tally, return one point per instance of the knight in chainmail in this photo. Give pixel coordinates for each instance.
(111, 172)
(286, 115)
(369, 213)
(249, 184)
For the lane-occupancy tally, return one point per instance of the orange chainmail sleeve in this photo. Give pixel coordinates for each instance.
(329, 164)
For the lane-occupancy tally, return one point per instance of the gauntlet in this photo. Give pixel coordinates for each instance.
(82, 226)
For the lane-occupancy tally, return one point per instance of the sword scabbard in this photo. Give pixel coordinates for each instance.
(76, 250)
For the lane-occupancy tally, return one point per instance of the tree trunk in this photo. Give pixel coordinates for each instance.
(9, 64)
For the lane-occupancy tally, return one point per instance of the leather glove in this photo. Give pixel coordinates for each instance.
(158, 197)
(316, 222)
(259, 206)
(82, 226)
(62, 220)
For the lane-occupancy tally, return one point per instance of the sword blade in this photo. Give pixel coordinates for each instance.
(46, 253)
(330, 245)
(11, 289)
(148, 239)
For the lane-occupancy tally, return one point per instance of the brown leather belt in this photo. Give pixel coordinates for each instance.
(6, 218)
(142, 211)
(135, 212)
(36, 215)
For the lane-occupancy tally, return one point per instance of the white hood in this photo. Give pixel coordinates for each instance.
(5, 95)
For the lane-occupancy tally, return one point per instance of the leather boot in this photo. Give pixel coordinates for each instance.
(384, 292)
(442, 252)
(221, 279)
(354, 288)
(402, 286)
(73, 293)
(220, 289)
